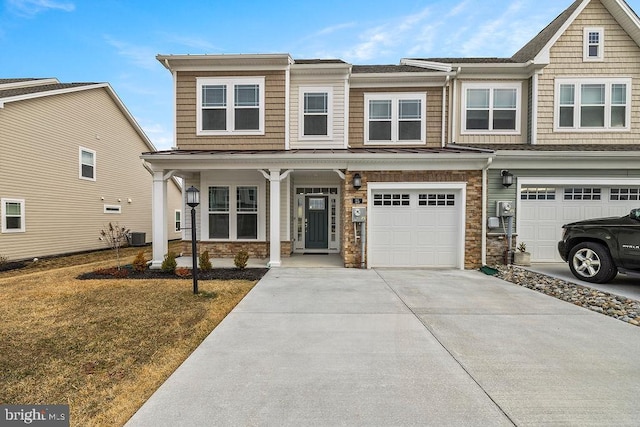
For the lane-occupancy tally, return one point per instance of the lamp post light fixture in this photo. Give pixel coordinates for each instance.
(193, 200)
(357, 181)
(507, 178)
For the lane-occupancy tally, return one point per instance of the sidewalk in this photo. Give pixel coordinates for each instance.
(403, 347)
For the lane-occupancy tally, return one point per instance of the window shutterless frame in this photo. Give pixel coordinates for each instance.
(593, 44)
(491, 108)
(395, 118)
(13, 215)
(592, 104)
(315, 113)
(86, 164)
(230, 106)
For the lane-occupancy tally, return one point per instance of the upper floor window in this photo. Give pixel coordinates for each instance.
(593, 44)
(315, 112)
(592, 104)
(13, 220)
(491, 108)
(87, 164)
(230, 106)
(395, 118)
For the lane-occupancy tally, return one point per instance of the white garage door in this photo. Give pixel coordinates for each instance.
(415, 228)
(545, 209)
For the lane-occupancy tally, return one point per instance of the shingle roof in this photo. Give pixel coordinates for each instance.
(535, 45)
(7, 81)
(38, 89)
(468, 60)
(388, 69)
(349, 151)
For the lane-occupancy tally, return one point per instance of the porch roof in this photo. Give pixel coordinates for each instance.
(363, 158)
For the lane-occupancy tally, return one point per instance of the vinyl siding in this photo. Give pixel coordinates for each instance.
(434, 114)
(493, 138)
(40, 164)
(621, 59)
(186, 110)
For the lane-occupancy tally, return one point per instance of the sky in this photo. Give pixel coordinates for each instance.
(116, 41)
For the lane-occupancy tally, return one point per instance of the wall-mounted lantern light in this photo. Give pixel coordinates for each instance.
(357, 181)
(507, 178)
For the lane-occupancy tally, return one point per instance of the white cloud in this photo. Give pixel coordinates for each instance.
(159, 135)
(30, 8)
(141, 56)
(334, 28)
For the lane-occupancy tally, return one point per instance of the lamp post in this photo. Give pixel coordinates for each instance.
(193, 200)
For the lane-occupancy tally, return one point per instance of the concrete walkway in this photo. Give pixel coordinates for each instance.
(328, 347)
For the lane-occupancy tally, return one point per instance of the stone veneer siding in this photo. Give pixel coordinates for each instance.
(473, 240)
(259, 250)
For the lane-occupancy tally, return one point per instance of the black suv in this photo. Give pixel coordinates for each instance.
(597, 249)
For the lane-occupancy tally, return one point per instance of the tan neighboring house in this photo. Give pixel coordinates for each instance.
(283, 149)
(70, 165)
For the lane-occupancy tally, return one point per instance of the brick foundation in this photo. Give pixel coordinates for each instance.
(497, 247)
(259, 250)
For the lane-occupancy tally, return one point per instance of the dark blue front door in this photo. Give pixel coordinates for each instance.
(317, 219)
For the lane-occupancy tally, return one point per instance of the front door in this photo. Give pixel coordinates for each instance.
(316, 222)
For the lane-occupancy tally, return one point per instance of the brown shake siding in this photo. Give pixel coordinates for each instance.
(621, 59)
(434, 114)
(186, 110)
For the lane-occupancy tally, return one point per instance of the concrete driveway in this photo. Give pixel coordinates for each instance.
(330, 347)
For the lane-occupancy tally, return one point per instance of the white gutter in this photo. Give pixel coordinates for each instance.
(287, 107)
(483, 254)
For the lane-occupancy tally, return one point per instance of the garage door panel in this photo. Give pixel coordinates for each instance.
(540, 221)
(422, 233)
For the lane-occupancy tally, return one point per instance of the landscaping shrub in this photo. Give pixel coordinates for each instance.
(169, 263)
(241, 259)
(205, 264)
(140, 262)
(116, 237)
(183, 272)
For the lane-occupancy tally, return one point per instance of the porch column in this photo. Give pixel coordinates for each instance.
(160, 245)
(274, 217)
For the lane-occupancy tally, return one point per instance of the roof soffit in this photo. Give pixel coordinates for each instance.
(225, 62)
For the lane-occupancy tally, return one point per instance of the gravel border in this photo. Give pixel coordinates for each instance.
(621, 308)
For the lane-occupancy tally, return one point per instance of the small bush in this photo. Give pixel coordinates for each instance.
(205, 264)
(183, 272)
(140, 262)
(169, 263)
(241, 259)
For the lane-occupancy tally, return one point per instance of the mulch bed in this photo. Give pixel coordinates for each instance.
(6, 266)
(126, 272)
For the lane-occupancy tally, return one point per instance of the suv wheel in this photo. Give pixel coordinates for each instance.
(591, 262)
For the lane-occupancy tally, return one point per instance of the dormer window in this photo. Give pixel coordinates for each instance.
(593, 44)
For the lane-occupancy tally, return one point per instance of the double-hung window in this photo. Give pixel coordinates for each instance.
(491, 108)
(231, 106)
(233, 212)
(395, 118)
(593, 44)
(87, 164)
(592, 104)
(315, 113)
(13, 218)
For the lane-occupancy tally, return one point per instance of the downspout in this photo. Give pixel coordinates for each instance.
(444, 111)
(534, 108)
(174, 74)
(454, 106)
(287, 119)
(483, 256)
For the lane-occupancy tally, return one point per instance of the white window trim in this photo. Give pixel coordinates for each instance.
(112, 209)
(585, 44)
(229, 82)
(233, 213)
(491, 86)
(310, 89)
(80, 150)
(577, 82)
(23, 216)
(175, 213)
(395, 97)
